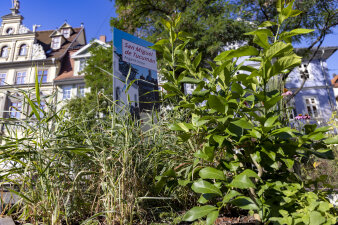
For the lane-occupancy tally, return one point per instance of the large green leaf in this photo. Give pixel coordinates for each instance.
(236, 87)
(267, 24)
(203, 187)
(230, 196)
(287, 10)
(211, 218)
(332, 140)
(284, 63)
(242, 51)
(198, 121)
(243, 123)
(270, 121)
(180, 127)
(278, 49)
(211, 173)
(279, 5)
(261, 40)
(324, 153)
(198, 212)
(242, 181)
(197, 60)
(272, 102)
(218, 103)
(316, 218)
(171, 88)
(219, 139)
(288, 162)
(245, 203)
(295, 32)
(250, 173)
(190, 80)
(260, 32)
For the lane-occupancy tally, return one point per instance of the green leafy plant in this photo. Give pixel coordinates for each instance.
(244, 155)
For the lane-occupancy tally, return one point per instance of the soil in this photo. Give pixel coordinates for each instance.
(242, 220)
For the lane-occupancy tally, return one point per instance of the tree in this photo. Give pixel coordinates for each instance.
(98, 80)
(95, 76)
(322, 16)
(212, 23)
(215, 23)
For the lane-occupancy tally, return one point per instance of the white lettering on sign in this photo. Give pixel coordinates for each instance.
(139, 55)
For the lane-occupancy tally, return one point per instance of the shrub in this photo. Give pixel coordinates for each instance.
(244, 153)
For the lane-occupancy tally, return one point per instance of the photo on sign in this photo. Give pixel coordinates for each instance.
(133, 55)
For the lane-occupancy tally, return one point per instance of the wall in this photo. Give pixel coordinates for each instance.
(318, 85)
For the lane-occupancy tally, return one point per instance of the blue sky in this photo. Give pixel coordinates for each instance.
(95, 15)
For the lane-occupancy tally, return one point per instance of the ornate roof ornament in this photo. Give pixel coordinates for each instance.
(15, 7)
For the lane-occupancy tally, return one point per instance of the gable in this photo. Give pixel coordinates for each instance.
(85, 51)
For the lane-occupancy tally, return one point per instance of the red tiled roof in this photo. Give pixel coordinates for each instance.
(44, 39)
(334, 82)
(67, 68)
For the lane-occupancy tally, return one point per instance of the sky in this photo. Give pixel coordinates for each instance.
(50, 14)
(95, 14)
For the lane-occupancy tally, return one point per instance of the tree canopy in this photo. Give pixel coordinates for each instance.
(98, 80)
(215, 23)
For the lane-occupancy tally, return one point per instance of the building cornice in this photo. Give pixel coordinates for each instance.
(31, 63)
(30, 85)
(13, 36)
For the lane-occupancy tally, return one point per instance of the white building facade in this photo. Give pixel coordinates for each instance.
(25, 54)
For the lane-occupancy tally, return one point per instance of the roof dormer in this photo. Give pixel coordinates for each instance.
(66, 30)
(57, 40)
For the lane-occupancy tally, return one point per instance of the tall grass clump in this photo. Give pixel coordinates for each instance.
(70, 169)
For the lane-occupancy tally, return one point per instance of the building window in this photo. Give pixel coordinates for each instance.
(83, 63)
(66, 33)
(291, 110)
(15, 110)
(2, 78)
(67, 92)
(304, 71)
(135, 99)
(192, 86)
(81, 91)
(23, 50)
(4, 51)
(312, 107)
(56, 43)
(20, 77)
(42, 76)
(9, 31)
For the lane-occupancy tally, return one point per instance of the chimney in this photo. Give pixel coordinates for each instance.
(103, 38)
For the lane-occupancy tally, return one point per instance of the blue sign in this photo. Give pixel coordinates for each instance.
(134, 59)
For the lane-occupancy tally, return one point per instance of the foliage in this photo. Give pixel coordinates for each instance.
(99, 82)
(66, 172)
(212, 23)
(95, 73)
(244, 154)
(216, 23)
(322, 16)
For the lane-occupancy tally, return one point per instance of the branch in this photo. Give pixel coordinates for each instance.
(320, 39)
(305, 79)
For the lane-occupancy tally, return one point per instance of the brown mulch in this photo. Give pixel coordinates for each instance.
(242, 220)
